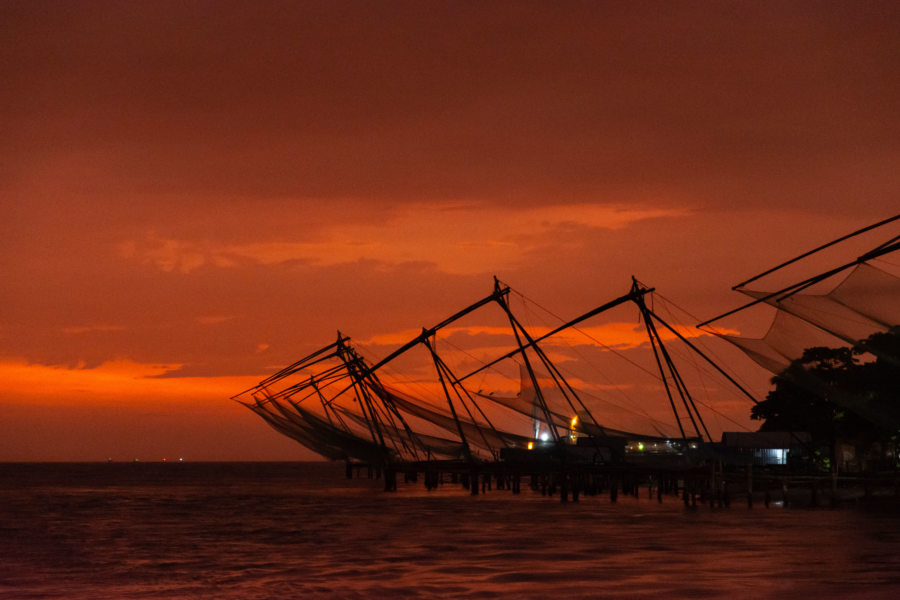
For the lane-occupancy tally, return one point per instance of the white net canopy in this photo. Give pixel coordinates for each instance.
(866, 302)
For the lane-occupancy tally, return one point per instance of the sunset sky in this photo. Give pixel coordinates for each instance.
(193, 194)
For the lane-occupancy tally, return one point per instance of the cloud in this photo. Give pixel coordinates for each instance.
(118, 381)
(529, 104)
(456, 237)
(214, 319)
(613, 335)
(81, 329)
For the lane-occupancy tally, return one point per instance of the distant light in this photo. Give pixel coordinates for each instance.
(165, 459)
(180, 459)
(640, 445)
(574, 421)
(545, 436)
(531, 445)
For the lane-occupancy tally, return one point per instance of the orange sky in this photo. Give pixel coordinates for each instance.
(193, 195)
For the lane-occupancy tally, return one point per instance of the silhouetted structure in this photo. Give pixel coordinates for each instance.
(337, 403)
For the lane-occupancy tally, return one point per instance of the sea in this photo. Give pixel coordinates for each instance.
(303, 530)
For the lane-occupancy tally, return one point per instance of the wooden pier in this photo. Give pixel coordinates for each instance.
(715, 485)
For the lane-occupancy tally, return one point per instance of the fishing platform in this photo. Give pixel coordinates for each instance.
(422, 409)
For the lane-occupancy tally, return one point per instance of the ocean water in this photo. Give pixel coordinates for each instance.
(301, 530)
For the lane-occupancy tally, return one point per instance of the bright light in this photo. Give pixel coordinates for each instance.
(545, 436)
(531, 445)
(640, 445)
(574, 422)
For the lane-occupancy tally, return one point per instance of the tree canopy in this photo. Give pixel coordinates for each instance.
(851, 394)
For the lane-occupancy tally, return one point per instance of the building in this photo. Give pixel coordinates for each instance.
(762, 447)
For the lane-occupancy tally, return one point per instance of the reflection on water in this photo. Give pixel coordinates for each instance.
(294, 530)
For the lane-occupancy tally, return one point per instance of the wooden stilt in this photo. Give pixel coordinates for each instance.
(750, 485)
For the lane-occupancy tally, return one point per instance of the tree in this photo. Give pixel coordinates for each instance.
(847, 394)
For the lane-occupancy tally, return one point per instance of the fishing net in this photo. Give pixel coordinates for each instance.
(865, 302)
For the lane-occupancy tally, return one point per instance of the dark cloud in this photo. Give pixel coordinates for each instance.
(430, 100)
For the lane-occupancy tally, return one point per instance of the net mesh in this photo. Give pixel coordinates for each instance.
(863, 304)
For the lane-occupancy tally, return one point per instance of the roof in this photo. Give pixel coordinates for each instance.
(764, 439)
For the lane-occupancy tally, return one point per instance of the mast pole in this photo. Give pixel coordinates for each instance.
(793, 289)
(426, 333)
(814, 250)
(704, 356)
(558, 379)
(662, 372)
(538, 394)
(611, 304)
(459, 428)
